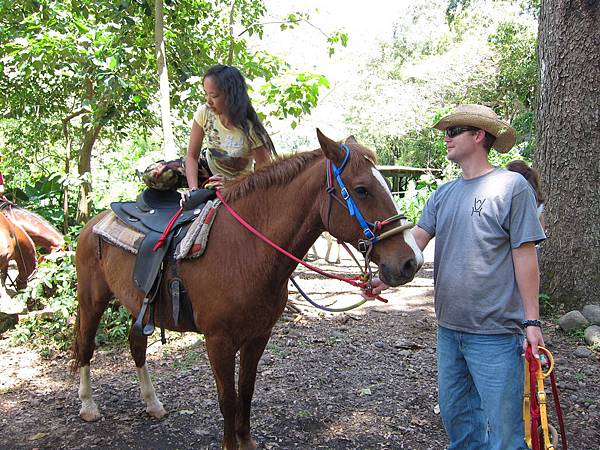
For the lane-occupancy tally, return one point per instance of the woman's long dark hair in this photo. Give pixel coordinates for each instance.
(531, 175)
(237, 102)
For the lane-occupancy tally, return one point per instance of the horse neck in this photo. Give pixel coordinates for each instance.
(23, 249)
(25, 255)
(288, 215)
(39, 229)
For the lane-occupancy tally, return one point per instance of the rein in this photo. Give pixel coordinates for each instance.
(534, 403)
(354, 281)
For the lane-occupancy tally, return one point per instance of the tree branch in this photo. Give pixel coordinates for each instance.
(285, 21)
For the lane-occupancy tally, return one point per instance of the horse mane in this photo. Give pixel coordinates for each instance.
(279, 172)
(284, 169)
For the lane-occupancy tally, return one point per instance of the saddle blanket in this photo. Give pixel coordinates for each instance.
(116, 232)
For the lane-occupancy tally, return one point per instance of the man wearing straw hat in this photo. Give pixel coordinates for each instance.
(486, 283)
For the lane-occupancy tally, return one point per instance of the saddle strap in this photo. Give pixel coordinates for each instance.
(138, 326)
(174, 287)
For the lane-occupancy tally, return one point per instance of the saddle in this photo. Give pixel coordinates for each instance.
(163, 222)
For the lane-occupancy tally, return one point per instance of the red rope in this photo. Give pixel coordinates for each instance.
(351, 280)
(163, 236)
(559, 414)
(534, 407)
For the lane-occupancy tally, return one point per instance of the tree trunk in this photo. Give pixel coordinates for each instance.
(84, 168)
(568, 153)
(230, 32)
(169, 149)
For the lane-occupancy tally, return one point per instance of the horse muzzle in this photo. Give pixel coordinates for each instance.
(399, 274)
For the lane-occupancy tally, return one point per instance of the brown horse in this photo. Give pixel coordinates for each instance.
(15, 245)
(238, 289)
(39, 229)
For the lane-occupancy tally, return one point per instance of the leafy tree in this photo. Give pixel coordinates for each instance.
(469, 56)
(87, 71)
(568, 151)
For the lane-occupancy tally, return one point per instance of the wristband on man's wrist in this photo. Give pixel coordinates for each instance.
(531, 323)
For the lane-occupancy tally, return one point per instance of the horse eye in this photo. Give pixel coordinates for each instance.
(361, 192)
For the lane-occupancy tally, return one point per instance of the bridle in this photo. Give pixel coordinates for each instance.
(369, 229)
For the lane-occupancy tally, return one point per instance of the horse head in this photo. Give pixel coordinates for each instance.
(358, 208)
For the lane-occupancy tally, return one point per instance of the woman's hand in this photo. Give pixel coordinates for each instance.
(215, 182)
(185, 195)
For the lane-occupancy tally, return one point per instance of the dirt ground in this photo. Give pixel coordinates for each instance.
(359, 380)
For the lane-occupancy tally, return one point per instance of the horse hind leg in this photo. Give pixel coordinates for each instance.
(250, 355)
(137, 346)
(93, 295)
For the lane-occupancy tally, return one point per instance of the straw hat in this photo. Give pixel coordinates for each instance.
(481, 117)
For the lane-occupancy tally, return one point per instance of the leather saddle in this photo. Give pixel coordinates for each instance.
(151, 214)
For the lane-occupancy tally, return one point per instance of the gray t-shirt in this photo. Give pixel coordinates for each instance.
(476, 224)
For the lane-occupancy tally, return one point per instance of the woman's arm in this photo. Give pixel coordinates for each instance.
(193, 154)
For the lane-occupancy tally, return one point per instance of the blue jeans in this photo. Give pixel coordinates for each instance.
(480, 381)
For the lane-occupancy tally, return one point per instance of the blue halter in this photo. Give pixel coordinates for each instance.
(352, 208)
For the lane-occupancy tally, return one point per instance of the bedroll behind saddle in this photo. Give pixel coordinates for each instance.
(159, 217)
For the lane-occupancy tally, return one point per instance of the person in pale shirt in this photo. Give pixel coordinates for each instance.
(227, 136)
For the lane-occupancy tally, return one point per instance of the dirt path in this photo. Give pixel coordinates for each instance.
(363, 380)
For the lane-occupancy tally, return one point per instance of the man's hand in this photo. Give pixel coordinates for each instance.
(533, 337)
(377, 286)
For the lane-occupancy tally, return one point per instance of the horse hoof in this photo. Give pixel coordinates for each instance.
(90, 413)
(247, 444)
(156, 410)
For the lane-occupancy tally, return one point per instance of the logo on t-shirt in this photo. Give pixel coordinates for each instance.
(477, 206)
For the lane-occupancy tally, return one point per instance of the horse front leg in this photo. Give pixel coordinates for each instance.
(221, 354)
(3, 294)
(138, 346)
(250, 354)
(89, 312)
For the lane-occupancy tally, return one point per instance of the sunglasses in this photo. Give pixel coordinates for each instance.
(455, 131)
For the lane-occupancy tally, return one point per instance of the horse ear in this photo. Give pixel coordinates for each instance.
(330, 148)
(350, 140)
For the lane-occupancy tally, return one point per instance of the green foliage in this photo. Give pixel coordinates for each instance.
(515, 55)
(545, 302)
(502, 159)
(417, 194)
(296, 99)
(54, 289)
(474, 55)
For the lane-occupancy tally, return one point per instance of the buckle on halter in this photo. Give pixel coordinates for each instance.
(369, 234)
(363, 246)
(344, 193)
